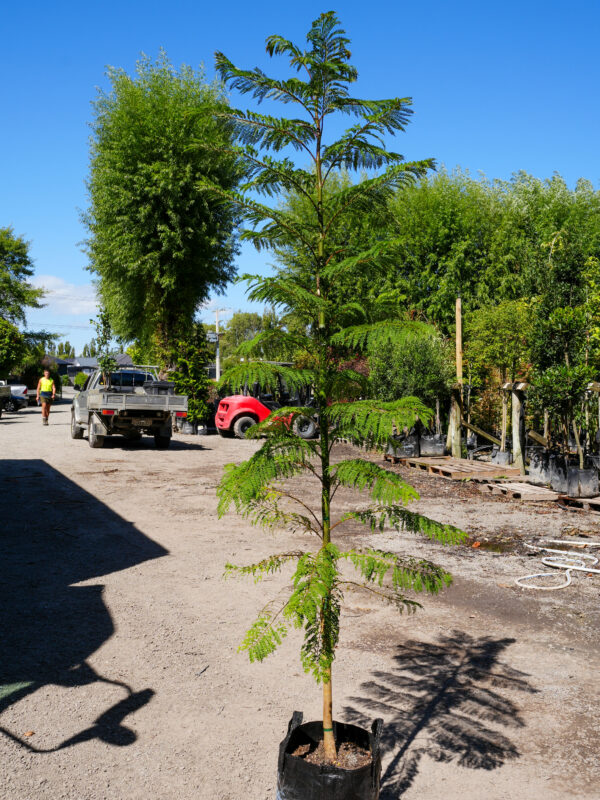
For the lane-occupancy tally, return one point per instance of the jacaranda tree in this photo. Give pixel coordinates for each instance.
(331, 331)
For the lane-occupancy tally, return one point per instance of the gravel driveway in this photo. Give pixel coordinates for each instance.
(119, 672)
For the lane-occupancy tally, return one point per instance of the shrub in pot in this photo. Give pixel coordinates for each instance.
(331, 324)
(559, 390)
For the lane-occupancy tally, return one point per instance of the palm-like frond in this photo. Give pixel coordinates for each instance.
(384, 486)
(266, 375)
(378, 334)
(375, 422)
(404, 573)
(268, 566)
(401, 519)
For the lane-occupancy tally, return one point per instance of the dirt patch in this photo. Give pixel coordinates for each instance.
(119, 643)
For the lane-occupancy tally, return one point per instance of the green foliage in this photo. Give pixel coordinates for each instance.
(500, 337)
(560, 390)
(12, 347)
(16, 292)
(107, 361)
(157, 245)
(190, 375)
(90, 350)
(327, 326)
(421, 367)
(80, 379)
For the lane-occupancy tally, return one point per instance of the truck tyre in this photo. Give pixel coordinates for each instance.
(241, 425)
(161, 442)
(305, 427)
(11, 407)
(94, 440)
(224, 434)
(76, 430)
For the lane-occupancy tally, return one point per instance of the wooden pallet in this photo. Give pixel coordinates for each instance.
(580, 503)
(520, 491)
(455, 469)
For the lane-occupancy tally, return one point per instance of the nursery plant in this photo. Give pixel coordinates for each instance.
(326, 332)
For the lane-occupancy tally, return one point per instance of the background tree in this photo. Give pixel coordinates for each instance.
(421, 367)
(327, 332)
(190, 374)
(157, 245)
(16, 292)
(12, 347)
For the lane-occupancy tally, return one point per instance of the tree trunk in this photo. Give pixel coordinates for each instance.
(578, 443)
(518, 445)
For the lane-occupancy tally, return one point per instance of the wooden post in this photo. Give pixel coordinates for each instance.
(456, 410)
(504, 421)
(518, 438)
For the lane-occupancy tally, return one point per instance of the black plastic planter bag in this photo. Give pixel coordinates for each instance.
(297, 779)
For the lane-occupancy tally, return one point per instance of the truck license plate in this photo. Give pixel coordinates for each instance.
(142, 422)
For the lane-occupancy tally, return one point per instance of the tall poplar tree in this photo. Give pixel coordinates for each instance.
(157, 245)
(331, 330)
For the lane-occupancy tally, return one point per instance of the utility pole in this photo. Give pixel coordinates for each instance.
(218, 357)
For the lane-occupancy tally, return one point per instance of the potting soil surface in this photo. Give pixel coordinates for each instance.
(349, 755)
(120, 676)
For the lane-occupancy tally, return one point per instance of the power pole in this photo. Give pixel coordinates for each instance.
(218, 357)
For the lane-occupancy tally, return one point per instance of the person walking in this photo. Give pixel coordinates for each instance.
(46, 391)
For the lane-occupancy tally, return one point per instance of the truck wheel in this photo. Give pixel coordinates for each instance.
(241, 425)
(161, 442)
(76, 430)
(11, 407)
(94, 440)
(224, 434)
(305, 427)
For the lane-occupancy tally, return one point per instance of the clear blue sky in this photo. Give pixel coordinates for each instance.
(497, 87)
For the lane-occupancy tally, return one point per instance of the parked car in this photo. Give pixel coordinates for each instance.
(239, 412)
(18, 398)
(132, 402)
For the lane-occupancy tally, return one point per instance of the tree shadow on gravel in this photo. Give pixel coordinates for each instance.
(447, 700)
(53, 534)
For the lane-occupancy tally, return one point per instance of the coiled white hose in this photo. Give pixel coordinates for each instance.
(565, 559)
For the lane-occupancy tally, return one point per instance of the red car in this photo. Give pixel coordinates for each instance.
(239, 412)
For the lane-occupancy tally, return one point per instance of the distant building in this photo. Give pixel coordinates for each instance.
(88, 365)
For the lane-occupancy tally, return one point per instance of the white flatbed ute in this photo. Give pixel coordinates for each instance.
(131, 402)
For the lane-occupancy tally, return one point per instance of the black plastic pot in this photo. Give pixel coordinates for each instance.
(189, 428)
(297, 779)
(432, 445)
(539, 467)
(404, 446)
(567, 478)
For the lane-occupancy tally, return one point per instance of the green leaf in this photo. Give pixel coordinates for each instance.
(373, 423)
(402, 519)
(384, 486)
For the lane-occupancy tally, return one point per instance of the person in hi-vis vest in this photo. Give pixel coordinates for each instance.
(46, 391)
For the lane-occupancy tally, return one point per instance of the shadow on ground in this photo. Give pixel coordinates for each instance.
(447, 700)
(54, 534)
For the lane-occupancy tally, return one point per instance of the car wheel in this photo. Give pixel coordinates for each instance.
(11, 407)
(161, 442)
(94, 440)
(76, 430)
(305, 427)
(241, 425)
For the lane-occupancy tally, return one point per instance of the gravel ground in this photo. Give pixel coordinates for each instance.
(119, 672)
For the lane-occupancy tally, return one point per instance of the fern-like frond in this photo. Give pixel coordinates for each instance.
(274, 340)
(265, 567)
(372, 422)
(377, 257)
(315, 606)
(401, 519)
(378, 334)
(246, 485)
(280, 293)
(266, 375)
(263, 637)
(385, 487)
(404, 573)
(346, 384)
(280, 423)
